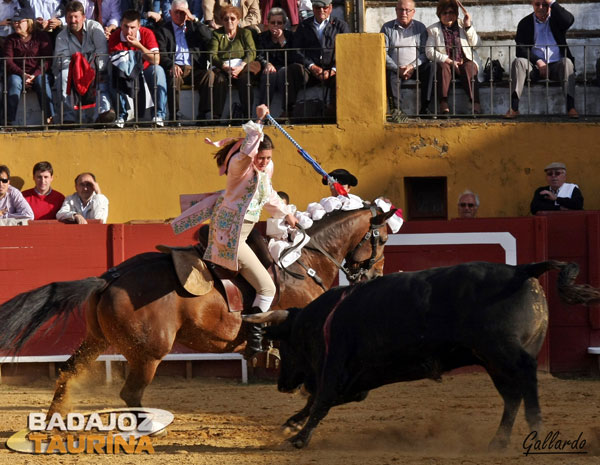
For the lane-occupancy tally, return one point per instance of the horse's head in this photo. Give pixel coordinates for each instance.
(365, 261)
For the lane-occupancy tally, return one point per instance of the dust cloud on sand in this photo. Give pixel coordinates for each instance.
(422, 422)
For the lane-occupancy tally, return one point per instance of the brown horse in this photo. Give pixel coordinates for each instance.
(140, 308)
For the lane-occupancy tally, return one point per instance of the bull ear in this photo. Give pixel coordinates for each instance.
(272, 316)
(383, 217)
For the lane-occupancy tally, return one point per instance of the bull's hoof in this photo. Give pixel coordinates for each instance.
(498, 444)
(299, 441)
(291, 429)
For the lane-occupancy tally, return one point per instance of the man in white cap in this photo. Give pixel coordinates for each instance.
(558, 194)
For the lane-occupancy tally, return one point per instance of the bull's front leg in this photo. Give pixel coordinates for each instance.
(318, 411)
(295, 422)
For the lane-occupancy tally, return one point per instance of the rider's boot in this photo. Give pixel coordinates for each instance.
(253, 336)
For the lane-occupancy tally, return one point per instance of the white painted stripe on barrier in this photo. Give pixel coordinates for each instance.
(504, 239)
(108, 358)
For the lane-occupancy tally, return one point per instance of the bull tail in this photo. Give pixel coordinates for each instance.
(568, 291)
(25, 313)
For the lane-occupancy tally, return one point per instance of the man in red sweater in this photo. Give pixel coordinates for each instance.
(44, 201)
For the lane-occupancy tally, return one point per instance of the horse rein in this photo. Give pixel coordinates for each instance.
(371, 235)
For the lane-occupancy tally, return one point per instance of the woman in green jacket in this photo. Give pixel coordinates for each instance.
(231, 50)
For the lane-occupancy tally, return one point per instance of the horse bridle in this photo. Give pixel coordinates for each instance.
(371, 235)
(374, 236)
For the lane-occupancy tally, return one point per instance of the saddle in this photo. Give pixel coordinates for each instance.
(198, 276)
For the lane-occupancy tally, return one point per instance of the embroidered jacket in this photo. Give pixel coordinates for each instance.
(226, 209)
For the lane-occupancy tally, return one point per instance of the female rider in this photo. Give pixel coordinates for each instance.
(248, 165)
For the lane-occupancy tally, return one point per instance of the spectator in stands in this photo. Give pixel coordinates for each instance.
(231, 49)
(451, 43)
(25, 68)
(542, 53)
(81, 40)
(468, 204)
(273, 56)
(249, 13)
(49, 15)
(558, 194)
(195, 7)
(12, 203)
(131, 37)
(315, 61)
(106, 12)
(290, 7)
(87, 203)
(149, 10)
(45, 201)
(181, 42)
(405, 40)
(8, 9)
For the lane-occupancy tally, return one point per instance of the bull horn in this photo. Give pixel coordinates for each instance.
(272, 316)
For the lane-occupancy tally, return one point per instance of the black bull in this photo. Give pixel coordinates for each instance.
(408, 326)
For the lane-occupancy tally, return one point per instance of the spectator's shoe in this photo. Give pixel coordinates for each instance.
(107, 117)
(572, 113)
(476, 109)
(425, 112)
(398, 116)
(444, 109)
(120, 123)
(158, 121)
(511, 114)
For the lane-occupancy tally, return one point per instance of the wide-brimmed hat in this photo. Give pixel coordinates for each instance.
(342, 176)
(555, 165)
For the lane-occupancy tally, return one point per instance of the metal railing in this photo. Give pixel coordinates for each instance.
(209, 96)
(213, 97)
(540, 98)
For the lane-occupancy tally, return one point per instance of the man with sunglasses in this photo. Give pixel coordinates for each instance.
(12, 202)
(558, 195)
(315, 60)
(542, 53)
(468, 204)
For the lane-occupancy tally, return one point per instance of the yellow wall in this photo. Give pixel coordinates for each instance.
(143, 171)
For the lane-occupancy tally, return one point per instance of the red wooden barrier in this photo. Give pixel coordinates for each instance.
(37, 254)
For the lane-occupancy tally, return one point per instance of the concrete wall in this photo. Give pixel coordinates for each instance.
(143, 171)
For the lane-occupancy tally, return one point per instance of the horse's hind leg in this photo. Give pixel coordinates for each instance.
(141, 374)
(87, 352)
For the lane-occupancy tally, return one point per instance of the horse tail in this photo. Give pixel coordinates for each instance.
(25, 313)
(568, 291)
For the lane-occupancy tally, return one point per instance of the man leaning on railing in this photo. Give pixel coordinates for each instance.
(136, 67)
(548, 58)
(81, 52)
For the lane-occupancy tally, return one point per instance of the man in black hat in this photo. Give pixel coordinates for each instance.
(558, 194)
(344, 177)
(315, 61)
